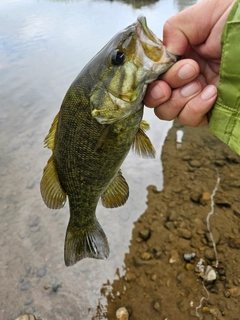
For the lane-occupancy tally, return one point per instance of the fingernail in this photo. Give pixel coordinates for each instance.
(190, 89)
(157, 93)
(209, 92)
(186, 72)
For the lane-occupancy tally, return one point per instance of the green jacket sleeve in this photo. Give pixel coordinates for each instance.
(225, 119)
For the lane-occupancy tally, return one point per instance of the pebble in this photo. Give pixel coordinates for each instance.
(210, 274)
(129, 276)
(222, 201)
(156, 253)
(184, 233)
(174, 257)
(189, 266)
(154, 277)
(205, 198)
(122, 314)
(235, 292)
(215, 235)
(145, 233)
(195, 163)
(41, 272)
(209, 254)
(173, 216)
(146, 256)
(25, 285)
(189, 256)
(195, 196)
(157, 306)
(29, 300)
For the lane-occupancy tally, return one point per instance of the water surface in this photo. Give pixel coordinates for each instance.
(43, 46)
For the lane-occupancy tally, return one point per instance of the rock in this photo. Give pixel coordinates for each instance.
(25, 285)
(210, 274)
(156, 253)
(210, 254)
(195, 163)
(189, 266)
(173, 216)
(146, 256)
(129, 276)
(157, 306)
(189, 256)
(169, 225)
(122, 314)
(184, 233)
(41, 272)
(220, 200)
(236, 211)
(233, 159)
(186, 157)
(215, 235)
(174, 257)
(195, 196)
(235, 292)
(205, 198)
(154, 277)
(145, 234)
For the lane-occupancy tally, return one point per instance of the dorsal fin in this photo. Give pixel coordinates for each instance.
(117, 192)
(50, 138)
(51, 190)
(142, 144)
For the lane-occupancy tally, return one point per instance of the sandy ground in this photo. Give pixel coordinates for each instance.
(176, 268)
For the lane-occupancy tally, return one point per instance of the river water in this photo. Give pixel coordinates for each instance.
(43, 46)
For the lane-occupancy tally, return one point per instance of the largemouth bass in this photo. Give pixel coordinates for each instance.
(99, 120)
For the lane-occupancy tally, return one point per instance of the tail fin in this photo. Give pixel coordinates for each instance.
(85, 243)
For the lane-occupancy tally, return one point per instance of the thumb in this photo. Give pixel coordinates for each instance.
(193, 25)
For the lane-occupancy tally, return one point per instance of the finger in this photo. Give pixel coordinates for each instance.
(189, 27)
(178, 75)
(181, 73)
(157, 93)
(179, 98)
(195, 112)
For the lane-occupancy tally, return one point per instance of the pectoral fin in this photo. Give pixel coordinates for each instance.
(142, 144)
(117, 193)
(50, 138)
(52, 193)
(102, 138)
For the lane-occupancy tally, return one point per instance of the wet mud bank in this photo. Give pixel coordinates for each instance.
(176, 268)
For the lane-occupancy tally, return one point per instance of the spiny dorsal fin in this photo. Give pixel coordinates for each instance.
(49, 140)
(142, 144)
(117, 192)
(52, 193)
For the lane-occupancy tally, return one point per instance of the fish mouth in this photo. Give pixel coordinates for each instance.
(149, 35)
(152, 45)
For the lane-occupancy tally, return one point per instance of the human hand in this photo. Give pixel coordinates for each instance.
(187, 91)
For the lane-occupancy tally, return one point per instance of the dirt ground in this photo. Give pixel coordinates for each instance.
(172, 269)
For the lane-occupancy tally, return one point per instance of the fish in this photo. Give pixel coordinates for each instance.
(99, 121)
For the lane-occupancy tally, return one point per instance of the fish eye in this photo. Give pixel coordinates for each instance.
(118, 58)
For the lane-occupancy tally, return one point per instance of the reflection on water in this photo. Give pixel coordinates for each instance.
(135, 3)
(43, 46)
(182, 4)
